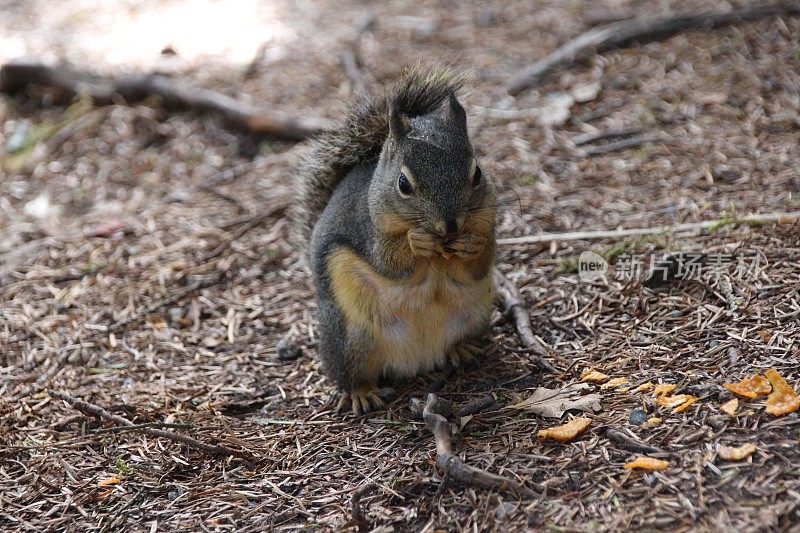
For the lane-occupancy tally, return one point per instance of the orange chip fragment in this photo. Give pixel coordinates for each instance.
(783, 399)
(663, 389)
(730, 406)
(614, 383)
(654, 421)
(736, 454)
(647, 463)
(690, 401)
(644, 387)
(109, 481)
(593, 376)
(750, 388)
(566, 432)
(675, 401)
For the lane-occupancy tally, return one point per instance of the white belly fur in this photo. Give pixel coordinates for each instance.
(419, 323)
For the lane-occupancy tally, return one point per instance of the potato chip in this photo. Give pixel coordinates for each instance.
(783, 399)
(736, 454)
(750, 388)
(654, 421)
(614, 383)
(109, 481)
(644, 387)
(663, 389)
(566, 432)
(675, 401)
(647, 463)
(690, 401)
(730, 406)
(593, 376)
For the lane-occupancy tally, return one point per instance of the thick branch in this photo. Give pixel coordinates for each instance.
(513, 305)
(92, 409)
(622, 33)
(16, 76)
(434, 414)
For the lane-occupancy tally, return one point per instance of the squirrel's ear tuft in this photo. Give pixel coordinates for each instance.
(453, 111)
(399, 124)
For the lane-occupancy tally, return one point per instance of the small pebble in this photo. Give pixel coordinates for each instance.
(288, 350)
(637, 417)
(502, 511)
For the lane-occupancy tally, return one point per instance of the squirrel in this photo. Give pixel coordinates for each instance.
(400, 221)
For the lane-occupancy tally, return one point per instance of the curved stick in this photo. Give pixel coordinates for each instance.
(512, 303)
(434, 414)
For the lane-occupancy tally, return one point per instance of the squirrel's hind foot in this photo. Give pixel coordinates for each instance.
(464, 353)
(363, 399)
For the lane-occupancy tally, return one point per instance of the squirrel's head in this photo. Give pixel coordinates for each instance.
(428, 178)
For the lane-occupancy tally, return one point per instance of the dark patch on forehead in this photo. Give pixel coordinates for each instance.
(438, 134)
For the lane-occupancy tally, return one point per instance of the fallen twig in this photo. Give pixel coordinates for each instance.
(16, 76)
(134, 427)
(435, 416)
(514, 307)
(622, 33)
(587, 138)
(475, 406)
(780, 218)
(622, 144)
(629, 443)
(96, 410)
(355, 502)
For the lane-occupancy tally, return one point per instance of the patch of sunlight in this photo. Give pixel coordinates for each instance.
(133, 34)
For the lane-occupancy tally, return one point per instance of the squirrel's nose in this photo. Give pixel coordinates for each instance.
(450, 227)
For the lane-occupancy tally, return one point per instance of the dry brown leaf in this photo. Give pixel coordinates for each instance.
(647, 463)
(553, 403)
(590, 375)
(663, 389)
(765, 335)
(736, 454)
(644, 387)
(109, 481)
(751, 388)
(614, 383)
(654, 421)
(784, 399)
(687, 404)
(566, 432)
(730, 406)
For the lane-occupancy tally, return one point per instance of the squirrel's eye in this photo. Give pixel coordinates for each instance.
(404, 186)
(476, 178)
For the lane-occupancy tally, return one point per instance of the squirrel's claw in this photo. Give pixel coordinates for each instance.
(361, 401)
(423, 244)
(467, 246)
(463, 353)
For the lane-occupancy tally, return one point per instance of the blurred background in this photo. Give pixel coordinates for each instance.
(146, 257)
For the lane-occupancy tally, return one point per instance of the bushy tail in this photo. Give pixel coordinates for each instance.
(364, 129)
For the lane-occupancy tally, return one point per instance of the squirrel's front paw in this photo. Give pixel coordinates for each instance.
(423, 244)
(467, 246)
(362, 399)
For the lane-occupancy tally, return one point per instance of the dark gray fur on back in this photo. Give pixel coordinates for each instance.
(346, 222)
